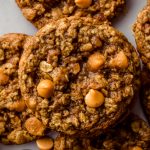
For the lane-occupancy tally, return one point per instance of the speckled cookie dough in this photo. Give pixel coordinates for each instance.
(146, 101)
(141, 30)
(145, 95)
(40, 12)
(131, 134)
(19, 128)
(16, 125)
(78, 75)
(11, 47)
(63, 142)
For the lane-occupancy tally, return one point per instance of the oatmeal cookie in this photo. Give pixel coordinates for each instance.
(131, 134)
(141, 30)
(79, 75)
(11, 47)
(145, 95)
(63, 142)
(19, 128)
(40, 12)
(16, 126)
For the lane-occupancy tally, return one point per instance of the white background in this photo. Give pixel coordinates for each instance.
(12, 21)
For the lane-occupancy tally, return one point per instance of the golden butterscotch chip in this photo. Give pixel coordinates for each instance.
(83, 3)
(45, 143)
(136, 148)
(94, 98)
(3, 78)
(95, 61)
(18, 106)
(45, 88)
(31, 103)
(34, 126)
(120, 60)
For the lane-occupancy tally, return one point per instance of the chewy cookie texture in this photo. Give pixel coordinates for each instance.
(145, 95)
(15, 124)
(40, 12)
(132, 134)
(77, 74)
(141, 30)
(11, 47)
(13, 129)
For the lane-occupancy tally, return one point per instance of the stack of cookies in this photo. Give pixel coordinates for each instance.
(77, 76)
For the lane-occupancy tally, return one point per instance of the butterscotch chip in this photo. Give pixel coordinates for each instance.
(34, 126)
(18, 106)
(136, 148)
(41, 12)
(95, 61)
(94, 98)
(31, 103)
(45, 143)
(120, 137)
(83, 3)
(88, 94)
(4, 79)
(119, 61)
(45, 88)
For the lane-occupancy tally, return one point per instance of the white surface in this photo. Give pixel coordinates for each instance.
(11, 20)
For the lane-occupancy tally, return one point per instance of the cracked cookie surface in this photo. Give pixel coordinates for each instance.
(40, 12)
(80, 75)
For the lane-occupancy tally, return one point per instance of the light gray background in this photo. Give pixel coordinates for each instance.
(11, 20)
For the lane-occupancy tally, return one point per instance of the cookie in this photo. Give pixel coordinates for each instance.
(41, 12)
(63, 142)
(16, 126)
(141, 31)
(19, 128)
(11, 47)
(80, 74)
(146, 100)
(145, 92)
(132, 134)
